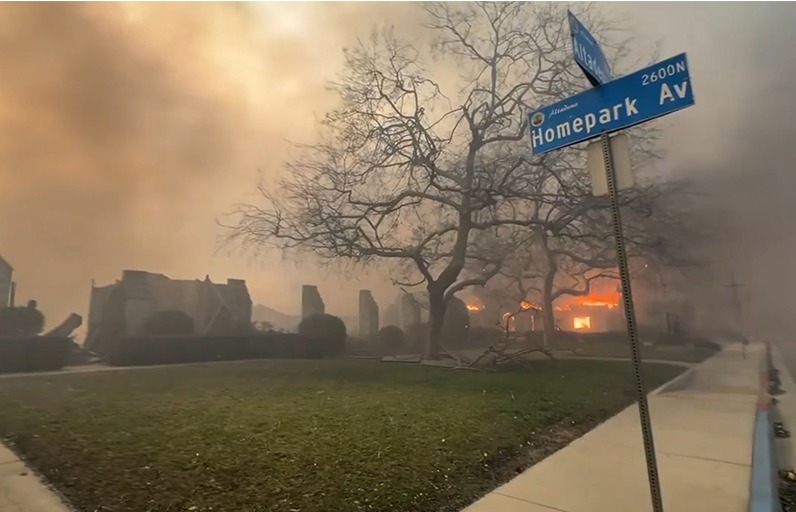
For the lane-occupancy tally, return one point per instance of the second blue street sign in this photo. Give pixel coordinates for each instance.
(588, 54)
(652, 92)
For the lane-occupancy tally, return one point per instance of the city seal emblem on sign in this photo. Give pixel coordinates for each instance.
(537, 119)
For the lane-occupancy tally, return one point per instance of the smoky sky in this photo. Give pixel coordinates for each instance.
(737, 144)
(126, 129)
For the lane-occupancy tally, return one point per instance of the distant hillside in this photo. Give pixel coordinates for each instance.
(279, 320)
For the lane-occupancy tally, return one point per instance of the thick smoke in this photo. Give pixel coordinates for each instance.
(750, 180)
(126, 129)
(107, 145)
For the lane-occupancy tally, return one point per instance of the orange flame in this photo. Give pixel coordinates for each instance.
(474, 307)
(605, 299)
(582, 323)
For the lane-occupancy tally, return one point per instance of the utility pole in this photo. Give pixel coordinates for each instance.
(736, 300)
(736, 306)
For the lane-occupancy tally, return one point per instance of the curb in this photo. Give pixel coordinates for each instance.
(764, 480)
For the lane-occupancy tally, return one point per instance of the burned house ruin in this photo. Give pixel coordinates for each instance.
(122, 309)
(7, 284)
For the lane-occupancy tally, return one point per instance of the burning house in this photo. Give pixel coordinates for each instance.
(599, 311)
(521, 317)
(596, 312)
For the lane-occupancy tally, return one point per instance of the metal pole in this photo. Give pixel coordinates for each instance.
(632, 332)
(736, 305)
(736, 302)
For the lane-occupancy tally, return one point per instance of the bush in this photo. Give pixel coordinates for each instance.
(391, 337)
(21, 321)
(169, 323)
(33, 353)
(149, 350)
(329, 330)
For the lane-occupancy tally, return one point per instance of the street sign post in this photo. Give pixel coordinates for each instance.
(620, 156)
(611, 106)
(632, 329)
(588, 53)
(653, 92)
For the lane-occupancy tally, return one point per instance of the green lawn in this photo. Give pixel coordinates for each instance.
(287, 436)
(663, 353)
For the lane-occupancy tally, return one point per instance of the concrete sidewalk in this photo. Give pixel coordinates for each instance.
(21, 490)
(703, 426)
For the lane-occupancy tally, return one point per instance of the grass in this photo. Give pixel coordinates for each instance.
(664, 353)
(287, 436)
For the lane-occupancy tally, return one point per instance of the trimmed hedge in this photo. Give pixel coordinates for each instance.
(33, 353)
(391, 337)
(326, 329)
(21, 320)
(150, 350)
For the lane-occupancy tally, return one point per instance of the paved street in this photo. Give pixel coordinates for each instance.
(784, 359)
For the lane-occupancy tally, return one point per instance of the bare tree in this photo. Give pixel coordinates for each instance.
(405, 173)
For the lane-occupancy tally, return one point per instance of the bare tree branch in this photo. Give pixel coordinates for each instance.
(404, 173)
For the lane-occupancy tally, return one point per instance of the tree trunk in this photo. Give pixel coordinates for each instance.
(548, 313)
(436, 316)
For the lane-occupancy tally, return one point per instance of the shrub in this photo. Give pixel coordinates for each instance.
(391, 337)
(329, 330)
(169, 323)
(33, 353)
(21, 321)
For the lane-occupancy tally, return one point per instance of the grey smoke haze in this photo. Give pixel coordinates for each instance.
(738, 143)
(125, 129)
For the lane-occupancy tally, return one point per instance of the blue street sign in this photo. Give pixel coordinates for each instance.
(653, 92)
(588, 53)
